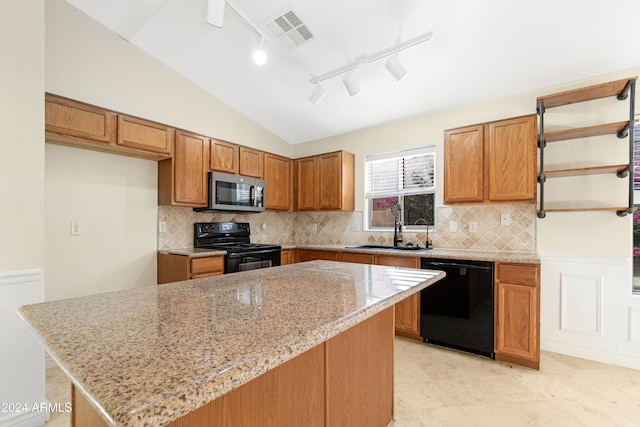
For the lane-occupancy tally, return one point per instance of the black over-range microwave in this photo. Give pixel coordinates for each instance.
(229, 192)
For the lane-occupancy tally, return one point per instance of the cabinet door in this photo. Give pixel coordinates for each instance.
(329, 181)
(286, 257)
(251, 162)
(512, 160)
(189, 172)
(67, 120)
(464, 165)
(144, 135)
(277, 177)
(407, 311)
(224, 157)
(305, 179)
(517, 312)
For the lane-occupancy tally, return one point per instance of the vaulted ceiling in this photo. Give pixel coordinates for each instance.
(480, 50)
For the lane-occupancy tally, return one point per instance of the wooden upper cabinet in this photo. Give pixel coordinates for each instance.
(491, 163)
(68, 121)
(225, 157)
(251, 163)
(182, 180)
(512, 157)
(325, 182)
(464, 165)
(305, 183)
(278, 179)
(144, 135)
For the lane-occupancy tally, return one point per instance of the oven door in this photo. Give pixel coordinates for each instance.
(245, 261)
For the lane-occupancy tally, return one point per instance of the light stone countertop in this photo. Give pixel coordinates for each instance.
(461, 254)
(149, 356)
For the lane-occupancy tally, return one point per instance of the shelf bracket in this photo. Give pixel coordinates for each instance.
(623, 213)
(623, 174)
(625, 92)
(624, 132)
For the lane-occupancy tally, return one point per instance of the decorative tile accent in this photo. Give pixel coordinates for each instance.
(338, 228)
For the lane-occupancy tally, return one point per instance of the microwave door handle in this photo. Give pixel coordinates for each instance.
(252, 195)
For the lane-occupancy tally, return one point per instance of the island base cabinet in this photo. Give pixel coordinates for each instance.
(345, 381)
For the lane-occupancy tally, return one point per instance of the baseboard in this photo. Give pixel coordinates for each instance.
(24, 419)
(590, 354)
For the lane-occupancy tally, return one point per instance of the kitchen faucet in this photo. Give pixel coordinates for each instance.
(397, 226)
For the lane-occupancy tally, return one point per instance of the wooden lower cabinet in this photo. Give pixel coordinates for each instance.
(407, 311)
(345, 381)
(517, 314)
(312, 255)
(286, 257)
(176, 268)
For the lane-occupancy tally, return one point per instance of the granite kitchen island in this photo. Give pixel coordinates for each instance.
(303, 344)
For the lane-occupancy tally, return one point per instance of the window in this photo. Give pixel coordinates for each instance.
(406, 178)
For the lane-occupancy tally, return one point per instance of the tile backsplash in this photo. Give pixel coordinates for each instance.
(345, 228)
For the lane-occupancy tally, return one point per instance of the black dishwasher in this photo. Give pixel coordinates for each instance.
(457, 311)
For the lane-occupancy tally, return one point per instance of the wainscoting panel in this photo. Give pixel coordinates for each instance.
(22, 374)
(588, 310)
(585, 317)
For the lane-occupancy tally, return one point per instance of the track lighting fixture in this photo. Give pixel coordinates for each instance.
(351, 84)
(318, 94)
(395, 68)
(393, 65)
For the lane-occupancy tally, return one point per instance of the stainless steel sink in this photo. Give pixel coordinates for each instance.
(391, 248)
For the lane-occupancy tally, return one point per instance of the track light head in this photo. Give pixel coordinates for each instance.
(215, 12)
(351, 84)
(318, 94)
(395, 68)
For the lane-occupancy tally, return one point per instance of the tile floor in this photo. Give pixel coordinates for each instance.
(441, 387)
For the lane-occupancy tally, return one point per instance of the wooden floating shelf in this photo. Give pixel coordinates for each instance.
(585, 94)
(585, 132)
(596, 170)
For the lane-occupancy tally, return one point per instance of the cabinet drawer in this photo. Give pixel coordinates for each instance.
(357, 258)
(208, 266)
(522, 274)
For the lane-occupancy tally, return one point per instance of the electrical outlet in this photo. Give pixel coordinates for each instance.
(314, 228)
(75, 228)
(162, 227)
(505, 219)
(356, 226)
(473, 227)
(453, 226)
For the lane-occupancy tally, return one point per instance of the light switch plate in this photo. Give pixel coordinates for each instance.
(453, 226)
(505, 219)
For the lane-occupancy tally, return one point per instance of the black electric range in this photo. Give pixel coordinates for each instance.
(234, 238)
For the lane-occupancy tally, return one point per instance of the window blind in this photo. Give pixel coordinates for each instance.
(405, 172)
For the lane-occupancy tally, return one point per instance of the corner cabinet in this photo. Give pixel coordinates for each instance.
(325, 182)
(517, 314)
(278, 178)
(491, 163)
(182, 180)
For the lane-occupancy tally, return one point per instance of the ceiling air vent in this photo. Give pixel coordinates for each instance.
(289, 29)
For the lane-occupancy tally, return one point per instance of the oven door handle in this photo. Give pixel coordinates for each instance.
(239, 254)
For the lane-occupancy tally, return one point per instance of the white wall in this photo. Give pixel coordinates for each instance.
(21, 212)
(115, 200)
